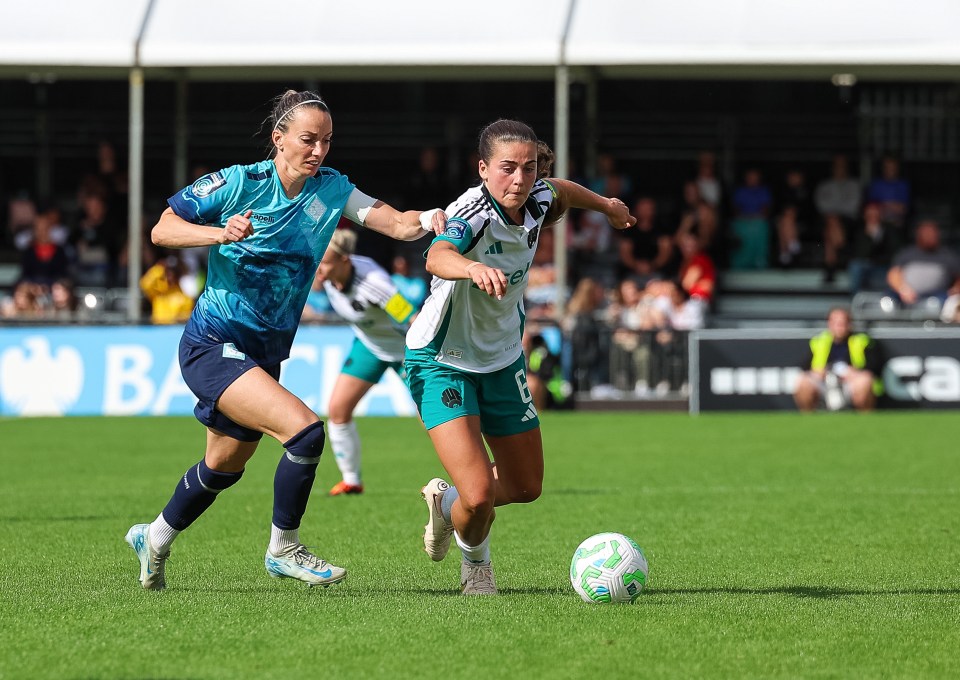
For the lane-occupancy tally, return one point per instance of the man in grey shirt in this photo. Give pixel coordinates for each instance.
(926, 269)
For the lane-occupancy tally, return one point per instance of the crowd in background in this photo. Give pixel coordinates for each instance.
(630, 294)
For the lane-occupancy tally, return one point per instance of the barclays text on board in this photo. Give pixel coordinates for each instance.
(129, 370)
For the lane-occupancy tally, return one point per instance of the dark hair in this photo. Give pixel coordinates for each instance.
(503, 130)
(285, 105)
(544, 160)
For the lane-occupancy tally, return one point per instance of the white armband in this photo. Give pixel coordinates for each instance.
(358, 205)
(426, 219)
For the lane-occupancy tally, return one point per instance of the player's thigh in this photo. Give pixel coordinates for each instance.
(226, 454)
(459, 445)
(347, 393)
(519, 461)
(257, 401)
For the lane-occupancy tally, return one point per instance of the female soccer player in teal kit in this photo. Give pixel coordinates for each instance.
(268, 225)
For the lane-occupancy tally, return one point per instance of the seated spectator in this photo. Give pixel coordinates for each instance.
(708, 186)
(63, 300)
(586, 335)
(161, 286)
(609, 181)
(544, 374)
(590, 245)
(842, 369)
(794, 211)
(21, 214)
(96, 240)
(873, 249)
(698, 275)
(697, 216)
(925, 273)
(838, 202)
(413, 288)
(43, 261)
(751, 232)
(892, 194)
(28, 301)
(646, 250)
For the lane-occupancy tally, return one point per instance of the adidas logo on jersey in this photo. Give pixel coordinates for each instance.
(530, 414)
(496, 248)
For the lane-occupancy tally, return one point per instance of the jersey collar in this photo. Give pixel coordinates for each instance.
(531, 210)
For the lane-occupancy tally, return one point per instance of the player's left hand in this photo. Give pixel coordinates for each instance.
(618, 215)
(433, 220)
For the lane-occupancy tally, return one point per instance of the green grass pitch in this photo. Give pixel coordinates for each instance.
(824, 546)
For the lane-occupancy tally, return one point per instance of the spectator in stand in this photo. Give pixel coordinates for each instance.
(27, 301)
(590, 246)
(698, 275)
(544, 375)
(697, 216)
(842, 368)
(43, 261)
(161, 286)
(21, 213)
(113, 180)
(63, 300)
(794, 216)
(585, 332)
(96, 238)
(925, 273)
(609, 181)
(873, 250)
(892, 193)
(751, 231)
(540, 297)
(838, 202)
(427, 185)
(413, 288)
(708, 186)
(647, 250)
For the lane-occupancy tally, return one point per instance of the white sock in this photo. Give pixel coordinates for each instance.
(474, 554)
(346, 449)
(446, 503)
(161, 534)
(282, 540)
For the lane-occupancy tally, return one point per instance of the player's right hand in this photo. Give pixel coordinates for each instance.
(490, 280)
(237, 228)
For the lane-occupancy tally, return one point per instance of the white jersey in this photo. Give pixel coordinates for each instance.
(370, 303)
(460, 324)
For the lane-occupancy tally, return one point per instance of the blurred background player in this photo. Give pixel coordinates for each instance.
(268, 225)
(361, 292)
(464, 360)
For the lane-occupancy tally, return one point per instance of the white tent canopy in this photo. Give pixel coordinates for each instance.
(422, 34)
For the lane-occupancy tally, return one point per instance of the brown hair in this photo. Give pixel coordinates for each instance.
(503, 130)
(284, 107)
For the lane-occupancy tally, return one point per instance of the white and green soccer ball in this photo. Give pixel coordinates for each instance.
(609, 567)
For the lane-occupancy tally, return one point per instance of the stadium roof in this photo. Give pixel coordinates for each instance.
(237, 39)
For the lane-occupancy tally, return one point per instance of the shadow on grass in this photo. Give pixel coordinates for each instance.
(63, 518)
(815, 592)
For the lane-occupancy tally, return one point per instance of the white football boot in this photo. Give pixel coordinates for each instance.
(477, 579)
(437, 532)
(303, 565)
(152, 563)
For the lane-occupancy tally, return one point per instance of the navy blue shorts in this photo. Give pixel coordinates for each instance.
(209, 368)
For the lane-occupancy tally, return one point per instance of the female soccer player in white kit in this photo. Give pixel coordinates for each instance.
(464, 362)
(363, 294)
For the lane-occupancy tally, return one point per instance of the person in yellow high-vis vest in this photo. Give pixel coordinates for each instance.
(842, 369)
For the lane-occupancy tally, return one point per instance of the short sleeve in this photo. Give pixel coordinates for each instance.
(210, 198)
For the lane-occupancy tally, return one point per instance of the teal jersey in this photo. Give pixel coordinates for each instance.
(256, 288)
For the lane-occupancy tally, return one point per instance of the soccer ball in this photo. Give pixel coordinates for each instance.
(608, 567)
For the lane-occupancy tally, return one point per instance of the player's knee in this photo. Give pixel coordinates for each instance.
(527, 493)
(477, 502)
(308, 442)
(339, 413)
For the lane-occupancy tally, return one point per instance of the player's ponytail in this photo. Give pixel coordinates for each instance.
(544, 160)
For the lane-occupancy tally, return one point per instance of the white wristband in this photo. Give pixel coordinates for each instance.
(426, 219)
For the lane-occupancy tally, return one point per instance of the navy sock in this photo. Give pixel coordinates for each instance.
(195, 493)
(295, 474)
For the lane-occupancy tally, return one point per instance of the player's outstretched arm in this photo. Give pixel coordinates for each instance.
(404, 226)
(172, 231)
(572, 195)
(445, 261)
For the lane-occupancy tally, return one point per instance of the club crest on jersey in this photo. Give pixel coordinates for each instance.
(316, 208)
(451, 398)
(532, 237)
(207, 184)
